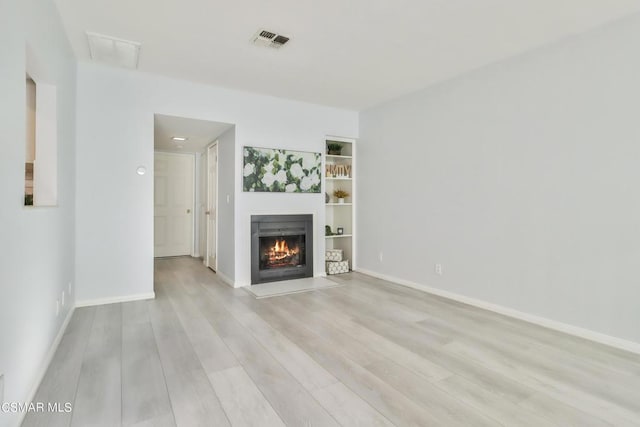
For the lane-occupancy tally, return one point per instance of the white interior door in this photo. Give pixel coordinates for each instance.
(173, 204)
(212, 207)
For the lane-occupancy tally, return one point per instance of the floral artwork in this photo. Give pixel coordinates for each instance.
(271, 170)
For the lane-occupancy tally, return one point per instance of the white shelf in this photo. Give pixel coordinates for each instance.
(337, 236)
(338, 179)
(335, 156)
(338, 204)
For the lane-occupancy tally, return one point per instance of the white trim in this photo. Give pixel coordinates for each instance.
(339, 138)
(531, 318)
(113, 300)
(354, 208)
(217, 204)
(226, 280)
(47, 361)
(194, 213)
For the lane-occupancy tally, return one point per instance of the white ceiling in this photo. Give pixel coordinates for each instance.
(200, 133)
(346, 53)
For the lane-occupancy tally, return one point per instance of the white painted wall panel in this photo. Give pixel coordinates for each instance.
(36, 244)
(521, 179)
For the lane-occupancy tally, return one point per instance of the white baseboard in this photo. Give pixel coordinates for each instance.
(46, 362)
(531, 318)
(113, 300)
(226, 280)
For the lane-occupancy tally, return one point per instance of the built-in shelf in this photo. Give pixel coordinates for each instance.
(340, 174)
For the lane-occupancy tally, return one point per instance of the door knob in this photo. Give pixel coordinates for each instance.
(207, 213)
(188, 211)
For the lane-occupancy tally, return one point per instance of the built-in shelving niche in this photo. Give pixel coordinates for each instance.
(341, 214)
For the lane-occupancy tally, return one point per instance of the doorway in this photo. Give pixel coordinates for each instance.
(187, 185)
(173, 204)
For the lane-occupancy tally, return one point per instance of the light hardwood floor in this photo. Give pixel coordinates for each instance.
(370, 353)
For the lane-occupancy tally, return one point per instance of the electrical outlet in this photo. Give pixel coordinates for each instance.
(57, 308)
(69, 288)
(439, 269)
(62, 298)
(228, 199)
(380, 256)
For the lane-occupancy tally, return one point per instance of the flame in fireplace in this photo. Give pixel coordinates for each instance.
(280, 251)
(281, 246)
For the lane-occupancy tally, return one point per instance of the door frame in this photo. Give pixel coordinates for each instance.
(211, 146)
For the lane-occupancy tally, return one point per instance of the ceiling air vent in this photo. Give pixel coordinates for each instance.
(267, 35)
(113, 51)
(269, 38)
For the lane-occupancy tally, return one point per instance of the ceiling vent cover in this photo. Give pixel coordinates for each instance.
(113, 51)
(269, 38)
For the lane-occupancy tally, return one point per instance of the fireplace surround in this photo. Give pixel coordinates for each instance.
(281, 247)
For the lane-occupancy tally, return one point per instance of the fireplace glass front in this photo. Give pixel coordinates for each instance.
(282, 252)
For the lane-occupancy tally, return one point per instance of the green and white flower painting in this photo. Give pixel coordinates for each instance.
(271, 170)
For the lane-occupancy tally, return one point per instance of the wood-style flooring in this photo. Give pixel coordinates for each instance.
(370, 353)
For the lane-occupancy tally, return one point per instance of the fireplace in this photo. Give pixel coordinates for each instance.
(281, 247)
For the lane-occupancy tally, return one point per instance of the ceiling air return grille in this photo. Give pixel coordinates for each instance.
(113, 51)
(270, 39)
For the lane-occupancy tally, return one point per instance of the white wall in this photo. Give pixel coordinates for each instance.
(521, 179)
(37, 250)
(115, 135)
(226, 210)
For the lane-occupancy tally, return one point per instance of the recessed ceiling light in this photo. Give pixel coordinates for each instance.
(179, 138)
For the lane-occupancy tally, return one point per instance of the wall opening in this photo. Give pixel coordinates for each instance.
(41, 141)
(30, 143)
